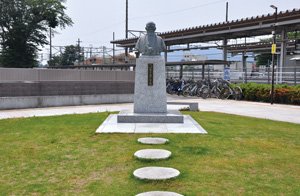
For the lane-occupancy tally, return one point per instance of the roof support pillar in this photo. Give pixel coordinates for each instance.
(225, 50)
(282, 53)
(224, 53)
(245, 68)
(181, 72)
(166, 55)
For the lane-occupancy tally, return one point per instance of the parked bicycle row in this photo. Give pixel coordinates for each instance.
(214, 88)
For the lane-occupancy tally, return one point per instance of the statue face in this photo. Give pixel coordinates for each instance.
(150, 27)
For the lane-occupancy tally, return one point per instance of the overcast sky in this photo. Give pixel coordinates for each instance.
(96, 20)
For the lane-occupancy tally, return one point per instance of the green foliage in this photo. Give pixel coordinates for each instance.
(261, 92)
(62, 155)
(23, 27)
(55, 61)
(71, 54)
(264, 59)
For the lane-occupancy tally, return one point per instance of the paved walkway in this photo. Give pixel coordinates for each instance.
(278, 112)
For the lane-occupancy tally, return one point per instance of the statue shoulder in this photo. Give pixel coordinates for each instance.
(159, 38)
(142, 37)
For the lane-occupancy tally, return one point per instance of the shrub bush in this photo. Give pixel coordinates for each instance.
(262, 92)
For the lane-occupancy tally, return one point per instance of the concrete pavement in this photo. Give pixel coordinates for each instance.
(278, 112)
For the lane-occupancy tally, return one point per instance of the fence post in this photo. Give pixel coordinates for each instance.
(268, 75)
(295, 76)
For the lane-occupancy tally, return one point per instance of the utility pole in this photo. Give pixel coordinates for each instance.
(226, 11)
(79, 49)
(103, 61)
(126, 32)
(114, 48)
(50, 44)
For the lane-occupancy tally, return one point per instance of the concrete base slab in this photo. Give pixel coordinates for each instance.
(152, 140)
(159, 193)
(172, 116)
(156, 173)
(152, 154)
(110, 125)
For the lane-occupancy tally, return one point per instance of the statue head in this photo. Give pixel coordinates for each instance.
(150, 27)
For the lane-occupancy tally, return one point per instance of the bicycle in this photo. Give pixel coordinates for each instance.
(174, 86)
(226, 91)
(211, 89)
(191, 88)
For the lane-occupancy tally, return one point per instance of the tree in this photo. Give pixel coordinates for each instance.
(264, 59)
(71, 55)
(55, 61)
(23, 28)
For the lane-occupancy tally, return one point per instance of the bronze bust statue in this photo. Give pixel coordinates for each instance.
(150, 44)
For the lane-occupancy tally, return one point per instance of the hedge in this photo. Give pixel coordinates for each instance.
(261, 92)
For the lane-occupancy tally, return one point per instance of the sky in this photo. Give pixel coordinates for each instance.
(95, 21)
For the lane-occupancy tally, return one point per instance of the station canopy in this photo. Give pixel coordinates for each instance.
(248, 27)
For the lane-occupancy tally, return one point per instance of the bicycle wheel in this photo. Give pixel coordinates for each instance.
(237, 93)
(217, 93)
(198, 92)
(204, 92)
(186, 91)
(225, 93)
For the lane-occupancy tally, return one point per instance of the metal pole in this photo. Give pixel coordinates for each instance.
(103, 60)
(126, 32)
(268, 75)
(79, 50)
(277, 67)
(226, 11)
(273, 55)
(50, 43)
(181, 72)
(245, 67)
(114, 48)
(225, 51)
(295, 75)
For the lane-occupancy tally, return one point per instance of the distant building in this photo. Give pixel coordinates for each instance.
(188, 56)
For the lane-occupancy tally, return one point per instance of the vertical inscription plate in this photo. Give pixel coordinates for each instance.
(150, 74)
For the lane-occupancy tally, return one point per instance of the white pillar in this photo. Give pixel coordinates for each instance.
(282, 53)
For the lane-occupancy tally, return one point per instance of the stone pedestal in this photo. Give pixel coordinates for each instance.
(150, 98)
(171, 116)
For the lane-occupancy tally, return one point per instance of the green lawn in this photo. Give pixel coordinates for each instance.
(62, 155)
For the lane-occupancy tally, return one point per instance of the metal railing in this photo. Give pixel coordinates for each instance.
(290, 75)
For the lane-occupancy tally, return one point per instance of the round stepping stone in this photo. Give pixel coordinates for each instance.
(152, 140)
(152, 154)
(156, 173)
(159, 193)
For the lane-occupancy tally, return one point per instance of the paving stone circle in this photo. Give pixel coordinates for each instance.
(152, 140)
(159, 193)
(152, 154)
(156, 173)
